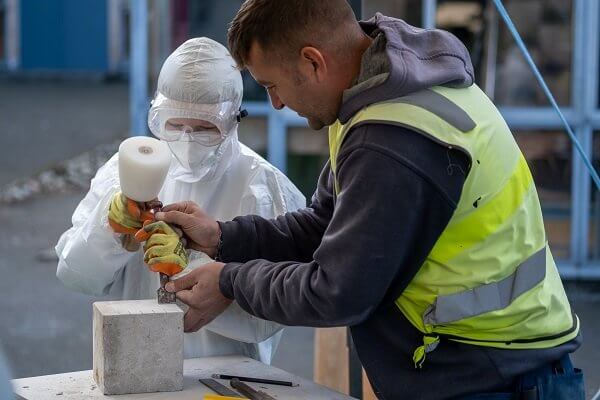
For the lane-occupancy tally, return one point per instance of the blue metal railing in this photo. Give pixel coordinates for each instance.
(138, 69)
(278, 122)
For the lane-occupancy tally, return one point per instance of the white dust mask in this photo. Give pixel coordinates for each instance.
(195, 161)
(194, 156)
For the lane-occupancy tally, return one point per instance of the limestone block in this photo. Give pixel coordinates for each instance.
(138, 346)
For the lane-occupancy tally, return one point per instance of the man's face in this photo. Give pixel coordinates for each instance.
(291, 83)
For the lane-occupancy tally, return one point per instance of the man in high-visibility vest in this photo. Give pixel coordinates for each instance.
(425, 234)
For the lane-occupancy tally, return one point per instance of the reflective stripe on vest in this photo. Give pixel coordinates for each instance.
(490, 279)
(440, 106)
(491, 297)
(426, 99)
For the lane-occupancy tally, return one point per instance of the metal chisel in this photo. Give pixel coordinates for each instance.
(219, 388)
(248, 391)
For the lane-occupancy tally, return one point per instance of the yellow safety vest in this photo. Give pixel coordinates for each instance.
(490, 279)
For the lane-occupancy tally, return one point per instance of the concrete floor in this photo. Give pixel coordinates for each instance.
(46, 329)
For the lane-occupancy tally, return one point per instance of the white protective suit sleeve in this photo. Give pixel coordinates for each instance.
(90, 254)
(269, 194)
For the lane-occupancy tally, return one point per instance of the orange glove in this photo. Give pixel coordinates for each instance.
(125, 215)
(164, 251)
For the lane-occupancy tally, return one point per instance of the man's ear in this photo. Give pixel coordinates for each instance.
(313, 63)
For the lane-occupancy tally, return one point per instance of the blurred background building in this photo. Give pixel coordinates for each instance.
(92, 39)
(76, 77)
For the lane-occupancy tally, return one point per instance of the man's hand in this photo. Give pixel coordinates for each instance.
(202, 231)
(200, 291)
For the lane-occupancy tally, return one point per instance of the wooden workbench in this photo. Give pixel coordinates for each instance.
(81, 385)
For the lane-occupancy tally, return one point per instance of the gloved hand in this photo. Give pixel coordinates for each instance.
(125, 215)
(202, 230)
(164, 250)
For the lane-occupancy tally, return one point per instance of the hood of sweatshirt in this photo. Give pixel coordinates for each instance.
(404, 59)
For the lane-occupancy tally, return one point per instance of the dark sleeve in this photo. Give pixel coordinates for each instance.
(387, 217)
(293, 236)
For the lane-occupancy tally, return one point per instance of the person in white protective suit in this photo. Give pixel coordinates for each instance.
(196, 111)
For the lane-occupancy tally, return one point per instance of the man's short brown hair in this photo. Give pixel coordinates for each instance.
(286, 25)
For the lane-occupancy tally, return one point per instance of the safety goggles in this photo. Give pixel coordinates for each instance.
(225, 116)
(174, 131)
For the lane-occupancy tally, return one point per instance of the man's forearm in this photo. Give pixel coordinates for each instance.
(284, 292)
(372, 247)
(292, 236)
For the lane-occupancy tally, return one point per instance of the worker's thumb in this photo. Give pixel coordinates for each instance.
(188, 207)
(174, 217)
(185, 282)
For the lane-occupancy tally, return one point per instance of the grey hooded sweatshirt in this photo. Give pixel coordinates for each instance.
(345, 259)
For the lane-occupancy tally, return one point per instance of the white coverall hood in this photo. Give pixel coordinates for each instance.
(199, 80)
